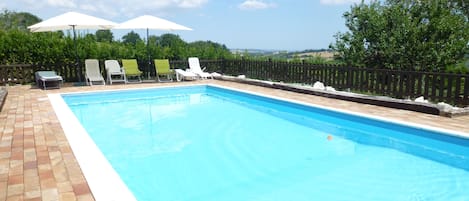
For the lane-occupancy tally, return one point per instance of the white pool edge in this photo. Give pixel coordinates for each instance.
(104, 182)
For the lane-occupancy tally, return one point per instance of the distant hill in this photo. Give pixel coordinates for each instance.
(257, 51)
(284, 54)
(327, 54)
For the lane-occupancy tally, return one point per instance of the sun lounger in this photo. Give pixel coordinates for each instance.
(184, 75)
(49, 79)
(93, 73)
(131, 69)
(163, 69)
(114, 72)
(194, 66)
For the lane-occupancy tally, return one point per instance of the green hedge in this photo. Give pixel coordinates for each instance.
(22, 47)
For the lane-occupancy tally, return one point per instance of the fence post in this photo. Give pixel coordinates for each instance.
(223, 65)
(465, 98)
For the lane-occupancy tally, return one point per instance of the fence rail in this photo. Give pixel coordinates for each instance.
(437, 87)
(24, 73)
(434, 86)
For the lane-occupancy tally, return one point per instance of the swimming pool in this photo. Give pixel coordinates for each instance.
(210, 143)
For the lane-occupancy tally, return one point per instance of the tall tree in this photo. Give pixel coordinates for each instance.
(405, 34)
(131, 38)
(177, 46)
(209, 50)
(18, 21)
(104, 36)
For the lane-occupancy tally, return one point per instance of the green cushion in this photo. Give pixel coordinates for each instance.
(131, 67)
(162, 66)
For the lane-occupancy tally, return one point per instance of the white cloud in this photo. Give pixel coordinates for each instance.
(110, 8)
(62, 3)
(191, 3)
(255, 5)
(160, 7)
(338, 2)
(104, 8)
(89, 7)
(156, 4)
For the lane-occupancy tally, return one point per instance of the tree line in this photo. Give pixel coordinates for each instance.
(19, 46)
(419, 35)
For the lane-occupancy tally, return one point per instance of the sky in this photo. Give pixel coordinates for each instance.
(292, 25)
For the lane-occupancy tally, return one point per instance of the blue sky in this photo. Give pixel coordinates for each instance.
(244, 24)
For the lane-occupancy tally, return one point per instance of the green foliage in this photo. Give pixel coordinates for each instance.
(53, 47)
(19, 46)
(131, 38)
(23, 47)
(177, 46)
(104, 36)
(172, 47)
(209, 50)
(405, 34)
(19, 21)
(87, 47)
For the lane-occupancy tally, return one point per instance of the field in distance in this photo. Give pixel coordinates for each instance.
(283, 54)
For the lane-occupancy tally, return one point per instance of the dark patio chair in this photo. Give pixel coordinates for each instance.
(48, 79)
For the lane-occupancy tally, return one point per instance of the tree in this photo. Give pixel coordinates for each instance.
(405, 34)
(209, 50)
(131, 38)
(104, 36)
(19, 46)
(177, 46)
(19, 21)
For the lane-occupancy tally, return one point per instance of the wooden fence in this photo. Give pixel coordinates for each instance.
(434, 86)
(24, 73)
(437, 87)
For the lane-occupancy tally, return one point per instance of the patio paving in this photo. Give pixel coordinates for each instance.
(37, 163)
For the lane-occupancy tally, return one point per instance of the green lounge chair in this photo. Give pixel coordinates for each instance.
(131, 69)
(163, 69)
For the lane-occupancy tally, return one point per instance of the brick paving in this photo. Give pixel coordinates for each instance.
(37, 163)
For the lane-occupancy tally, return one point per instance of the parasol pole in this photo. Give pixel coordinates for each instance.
(77, 60)
(149, 56)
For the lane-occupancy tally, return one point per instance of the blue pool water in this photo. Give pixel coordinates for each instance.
(204, 143)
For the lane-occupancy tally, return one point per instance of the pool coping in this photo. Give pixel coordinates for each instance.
(3, 96)
(103, 180)
(426, 108)
(106, 184)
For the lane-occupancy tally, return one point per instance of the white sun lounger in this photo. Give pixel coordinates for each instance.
(114, 72)
(184, 75)
(93, 74)
(194, 66)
